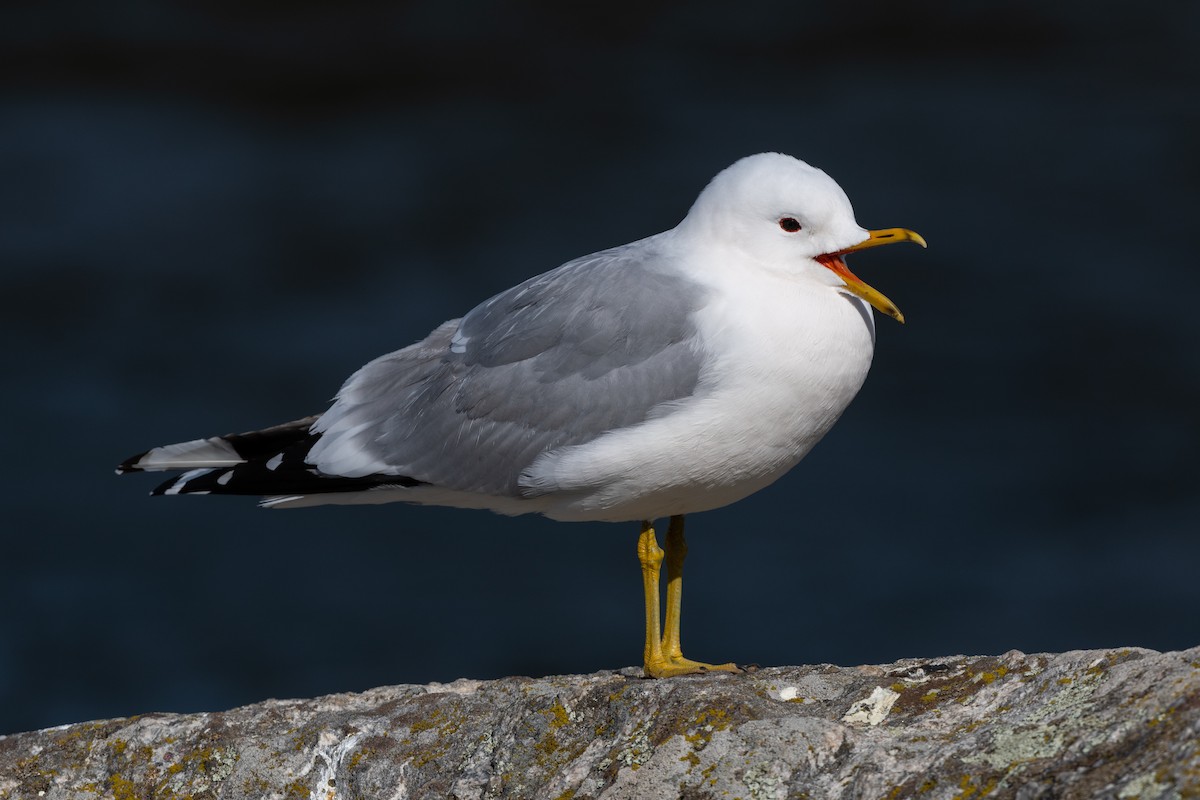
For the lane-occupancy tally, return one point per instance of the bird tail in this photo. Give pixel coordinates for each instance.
(269, 463)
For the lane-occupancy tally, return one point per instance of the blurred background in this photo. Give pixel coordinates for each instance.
(212, 213)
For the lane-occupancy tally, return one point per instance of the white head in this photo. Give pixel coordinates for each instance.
(745, 203)
(789, 216)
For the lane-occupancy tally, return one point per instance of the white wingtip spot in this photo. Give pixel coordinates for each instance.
(211, 452)
(183, 479)
(275, 461)
(226, 478)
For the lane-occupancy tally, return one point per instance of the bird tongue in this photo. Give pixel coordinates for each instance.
(835, 262)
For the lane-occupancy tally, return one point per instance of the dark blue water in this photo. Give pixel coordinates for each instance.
(209, 218)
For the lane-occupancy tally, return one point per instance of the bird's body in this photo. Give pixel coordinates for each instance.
(719, 424)
(675, 374)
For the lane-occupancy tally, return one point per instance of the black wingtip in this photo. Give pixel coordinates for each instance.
(131, 464)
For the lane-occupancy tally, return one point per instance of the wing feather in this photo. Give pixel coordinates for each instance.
(595, 345)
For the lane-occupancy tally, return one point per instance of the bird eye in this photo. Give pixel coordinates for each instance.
(789, 224)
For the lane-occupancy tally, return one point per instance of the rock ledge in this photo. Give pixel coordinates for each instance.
(1098, 723)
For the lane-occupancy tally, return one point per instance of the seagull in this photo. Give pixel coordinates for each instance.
(675, 374)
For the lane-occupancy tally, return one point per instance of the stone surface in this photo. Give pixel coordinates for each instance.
(1103, 723)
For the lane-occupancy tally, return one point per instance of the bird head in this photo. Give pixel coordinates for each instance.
(791, 216)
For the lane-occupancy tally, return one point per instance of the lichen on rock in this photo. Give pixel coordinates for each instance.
(1111, 723)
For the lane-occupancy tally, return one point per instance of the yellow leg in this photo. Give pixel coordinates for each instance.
(663, 654)
(651, 556)
(676, 553)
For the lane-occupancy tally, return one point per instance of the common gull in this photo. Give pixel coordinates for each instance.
(675, 374)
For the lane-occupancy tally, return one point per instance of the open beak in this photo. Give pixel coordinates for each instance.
(854, 284)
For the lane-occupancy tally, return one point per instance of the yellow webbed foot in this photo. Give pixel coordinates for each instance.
(663, 655)
(670, 667)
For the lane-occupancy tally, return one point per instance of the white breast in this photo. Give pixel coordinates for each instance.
(785, 356)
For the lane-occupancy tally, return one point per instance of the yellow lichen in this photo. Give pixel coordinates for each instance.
(359, 755)
(703, 726)
(546, 747)
(559, 716)
(122, 788)
(989, 677)
(970, 788)
(429, 723)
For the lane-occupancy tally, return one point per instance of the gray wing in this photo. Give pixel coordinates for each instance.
(589, 347)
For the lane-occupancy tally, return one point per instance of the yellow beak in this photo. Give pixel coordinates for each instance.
(854, 284)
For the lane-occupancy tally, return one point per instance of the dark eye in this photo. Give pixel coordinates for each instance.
(789, 224)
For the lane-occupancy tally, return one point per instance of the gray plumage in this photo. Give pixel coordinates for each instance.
(537, 367)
